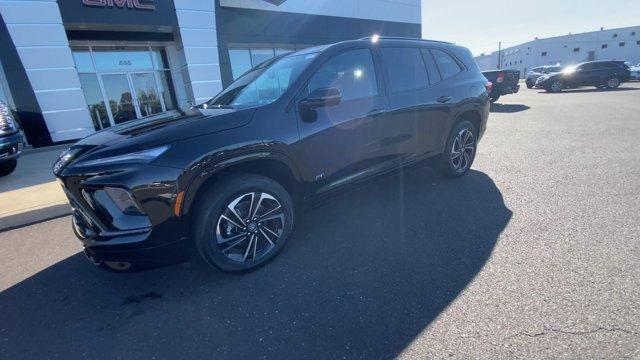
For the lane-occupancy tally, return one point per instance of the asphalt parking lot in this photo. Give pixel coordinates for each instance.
(533, 254)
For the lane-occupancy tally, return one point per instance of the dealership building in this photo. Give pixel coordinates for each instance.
(604, 44)
(71, 67)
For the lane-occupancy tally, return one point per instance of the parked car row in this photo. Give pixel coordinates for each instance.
(608, 74)
(601, 74)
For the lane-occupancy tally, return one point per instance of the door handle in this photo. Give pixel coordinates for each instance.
(444, 99)
(376, 112)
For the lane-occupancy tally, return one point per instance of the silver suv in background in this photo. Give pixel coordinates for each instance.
(536, 72)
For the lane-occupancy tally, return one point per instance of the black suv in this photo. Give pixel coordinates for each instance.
(601, 74)
(223, 179)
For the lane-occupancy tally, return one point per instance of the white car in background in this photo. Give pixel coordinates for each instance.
(635, 72)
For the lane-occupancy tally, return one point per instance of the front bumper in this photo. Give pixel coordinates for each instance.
(11, 146)
(162, 241)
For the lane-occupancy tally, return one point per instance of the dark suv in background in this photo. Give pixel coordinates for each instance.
(11, 141)
(601, 74)
(224, 178)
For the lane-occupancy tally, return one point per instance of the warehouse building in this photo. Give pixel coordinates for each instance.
(611, 44)
(71, 67)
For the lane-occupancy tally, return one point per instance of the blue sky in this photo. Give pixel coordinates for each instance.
(480, 24)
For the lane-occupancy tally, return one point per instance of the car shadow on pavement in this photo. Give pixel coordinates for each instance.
(366, 272)
(508, 108)
(589, 90)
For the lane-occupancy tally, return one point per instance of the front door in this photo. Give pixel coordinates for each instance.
(333, 138)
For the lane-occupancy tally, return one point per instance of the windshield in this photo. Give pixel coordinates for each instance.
(259, 86)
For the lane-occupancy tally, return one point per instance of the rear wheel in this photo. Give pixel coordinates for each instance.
(243, 222)
(7, 167)
(461, 149)
(612, 83)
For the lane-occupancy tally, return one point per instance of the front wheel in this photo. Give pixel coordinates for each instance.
(555, 87)
(243, 222)
(7, 167)
(461, 149)
(612, 83)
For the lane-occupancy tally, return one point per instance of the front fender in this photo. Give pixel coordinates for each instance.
(210, 166)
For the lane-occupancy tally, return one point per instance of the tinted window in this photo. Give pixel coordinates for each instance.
(537, 70)
(404, 68)
(586, 67)
(432, 69)
(447, 65)
(351, 72)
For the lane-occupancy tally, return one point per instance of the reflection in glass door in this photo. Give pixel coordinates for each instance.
(118, 94)
(146, 93)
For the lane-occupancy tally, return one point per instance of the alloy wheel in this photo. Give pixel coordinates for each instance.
(613, 83)
(556, 86)
(250, 226)
(463, 148)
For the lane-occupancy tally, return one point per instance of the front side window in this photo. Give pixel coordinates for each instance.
(447, 65)
(352, 72)
(404, 68)
(264, 87)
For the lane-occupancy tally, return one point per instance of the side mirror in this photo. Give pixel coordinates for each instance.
(330, 96)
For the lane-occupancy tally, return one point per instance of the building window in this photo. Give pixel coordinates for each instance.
(633, 33)
(243, 59)
(544, 53)
(615, 36)
(124, 83)
(621, 44)
(638, 42)
(576, 49)
(604, 46)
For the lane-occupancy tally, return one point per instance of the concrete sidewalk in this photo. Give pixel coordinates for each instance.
(31, 193)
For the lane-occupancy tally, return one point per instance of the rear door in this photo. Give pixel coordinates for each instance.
(445, 94)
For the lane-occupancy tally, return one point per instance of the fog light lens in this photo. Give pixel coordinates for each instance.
(124, 201)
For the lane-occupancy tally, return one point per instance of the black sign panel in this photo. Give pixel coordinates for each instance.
(119, 12)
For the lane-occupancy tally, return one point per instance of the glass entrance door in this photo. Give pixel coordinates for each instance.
(117, 90)
(146, 93)
(124, 83)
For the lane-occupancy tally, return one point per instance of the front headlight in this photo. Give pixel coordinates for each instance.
(7, 123)
(139, 157)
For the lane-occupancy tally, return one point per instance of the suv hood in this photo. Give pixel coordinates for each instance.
(165, 128)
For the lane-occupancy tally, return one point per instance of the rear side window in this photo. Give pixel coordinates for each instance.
(447, 65)
(404, 68)
(432, 68)
(351, 72)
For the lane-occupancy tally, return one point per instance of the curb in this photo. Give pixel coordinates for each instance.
(33, 217)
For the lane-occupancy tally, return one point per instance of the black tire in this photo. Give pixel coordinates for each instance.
(208, 217)
(494, 98)
(448, 162)
(7, 167)
(529, 84)
(612, 83)
(555, 87)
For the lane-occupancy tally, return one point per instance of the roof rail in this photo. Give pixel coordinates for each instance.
(405, 38)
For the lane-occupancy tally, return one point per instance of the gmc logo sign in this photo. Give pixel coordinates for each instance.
(130, 4)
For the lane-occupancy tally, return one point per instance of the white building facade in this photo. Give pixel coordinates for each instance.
(611, 44)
